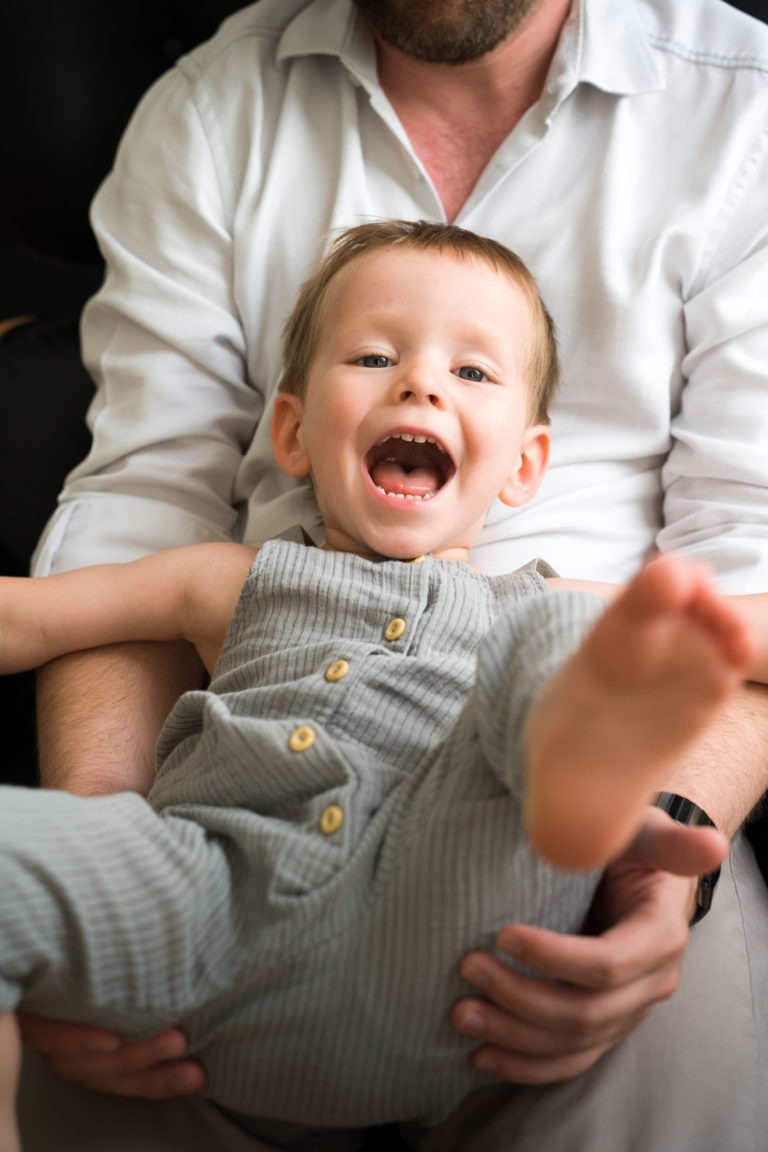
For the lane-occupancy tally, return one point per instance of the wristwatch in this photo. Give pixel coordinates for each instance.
(686, 812)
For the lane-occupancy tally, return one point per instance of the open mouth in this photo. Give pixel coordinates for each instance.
(409, 466)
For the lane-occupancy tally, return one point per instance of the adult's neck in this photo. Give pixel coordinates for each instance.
(457, 115)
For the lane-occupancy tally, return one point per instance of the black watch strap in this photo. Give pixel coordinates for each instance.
(686, 812)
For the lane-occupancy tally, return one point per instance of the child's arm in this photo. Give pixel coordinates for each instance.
(753, 607)
(181, 594)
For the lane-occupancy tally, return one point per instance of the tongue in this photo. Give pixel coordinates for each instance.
(392, 478)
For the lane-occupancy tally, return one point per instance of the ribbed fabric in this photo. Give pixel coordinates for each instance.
(312, 967)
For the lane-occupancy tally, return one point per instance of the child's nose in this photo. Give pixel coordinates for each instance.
(420, 385)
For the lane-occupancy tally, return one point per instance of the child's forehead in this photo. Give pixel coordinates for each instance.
(428, 267)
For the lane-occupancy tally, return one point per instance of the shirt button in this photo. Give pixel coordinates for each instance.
(394, 629)
(418, 559)
(337, 671)
(331, 819)
(302, 738)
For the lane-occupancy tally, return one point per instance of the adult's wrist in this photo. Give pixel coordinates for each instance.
(684, 811)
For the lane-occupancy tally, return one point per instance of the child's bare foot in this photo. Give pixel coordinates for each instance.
(10, 1059)
(651, 675)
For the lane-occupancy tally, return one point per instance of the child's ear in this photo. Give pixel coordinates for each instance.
(523, 484)
(288, 435)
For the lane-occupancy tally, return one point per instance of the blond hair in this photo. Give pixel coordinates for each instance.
(300, 331)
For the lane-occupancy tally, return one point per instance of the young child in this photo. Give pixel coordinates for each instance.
(340, 815)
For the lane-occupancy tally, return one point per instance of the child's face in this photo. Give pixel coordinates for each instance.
(414, 418)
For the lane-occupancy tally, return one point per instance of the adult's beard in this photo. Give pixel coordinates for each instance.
(445, 31)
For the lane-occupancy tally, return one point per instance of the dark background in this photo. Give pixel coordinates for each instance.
(71, 72)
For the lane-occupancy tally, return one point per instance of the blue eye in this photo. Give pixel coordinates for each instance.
(375, 360)
(468, 372)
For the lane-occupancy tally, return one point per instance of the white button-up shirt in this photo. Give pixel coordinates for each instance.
(636, 189)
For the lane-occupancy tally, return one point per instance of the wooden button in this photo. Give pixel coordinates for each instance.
(302, 738)
(394, 629)
(331, 819)
(337, 671)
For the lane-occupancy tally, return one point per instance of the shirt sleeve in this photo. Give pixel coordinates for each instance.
(173, 410)
(716, 475)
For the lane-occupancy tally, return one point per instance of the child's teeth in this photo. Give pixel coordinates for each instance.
(410, 439)
(405, 495)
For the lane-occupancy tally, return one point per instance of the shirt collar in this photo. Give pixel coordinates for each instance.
(332, 28)
(614, 54)
(602, 43)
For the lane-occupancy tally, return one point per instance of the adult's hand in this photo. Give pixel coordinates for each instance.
(602, 985)
(156, 1068)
